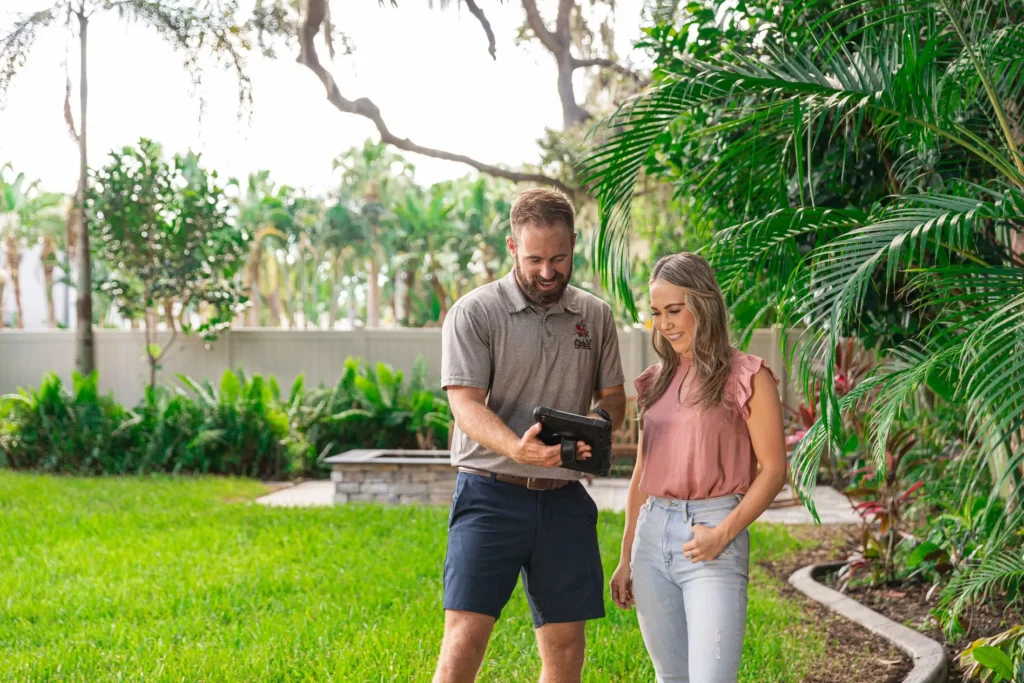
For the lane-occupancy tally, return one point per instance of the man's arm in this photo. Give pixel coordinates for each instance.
(481, 425)
(612, 399)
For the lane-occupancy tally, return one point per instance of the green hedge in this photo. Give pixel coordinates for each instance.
(242, 426)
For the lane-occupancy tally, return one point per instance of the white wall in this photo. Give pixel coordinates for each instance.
(120, 357)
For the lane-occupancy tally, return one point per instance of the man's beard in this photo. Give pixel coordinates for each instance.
(541, 297)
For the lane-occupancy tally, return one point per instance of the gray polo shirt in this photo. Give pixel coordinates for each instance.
(526, 356)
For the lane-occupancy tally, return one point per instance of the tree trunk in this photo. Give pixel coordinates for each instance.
(46, 257)
(332, 309)
(13, 253)
(351, 304)
(442, 296)
(274, 304)
(253, 273)
(409, 280)
(373, 294)
(3, 286)
(169, 314)
(85, 353)
(396, 299)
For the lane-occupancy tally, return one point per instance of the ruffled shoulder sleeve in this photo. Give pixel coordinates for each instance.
(740, 386)
(645, 380)
(643, 383)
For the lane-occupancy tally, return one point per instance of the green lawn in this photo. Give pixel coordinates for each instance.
(181, 580)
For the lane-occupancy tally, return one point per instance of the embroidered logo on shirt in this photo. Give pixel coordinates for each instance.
(582, 335)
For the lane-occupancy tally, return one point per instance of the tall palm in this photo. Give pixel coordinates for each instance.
(372, 178)
(426, 221)
(193, 29)
(483, 208)
(262, 212)
(934, 86)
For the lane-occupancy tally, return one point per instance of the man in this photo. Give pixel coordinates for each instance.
(524, 341)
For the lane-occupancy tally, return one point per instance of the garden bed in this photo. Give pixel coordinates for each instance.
(853, 652)
(911, 606)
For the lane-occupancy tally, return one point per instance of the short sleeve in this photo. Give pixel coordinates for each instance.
(610, 373)
(741, 382)
(465, 349)
(643, 383)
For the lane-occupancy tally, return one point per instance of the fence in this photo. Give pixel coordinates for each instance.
(285, 354)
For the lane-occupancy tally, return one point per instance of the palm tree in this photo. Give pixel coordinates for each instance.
(262, 213)
(29, 215)
(192, 29)
(483, 209)
(933, 89)
(372, 178)
(428, 228)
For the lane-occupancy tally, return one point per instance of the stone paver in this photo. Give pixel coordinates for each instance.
(306, 494)
(609, 494)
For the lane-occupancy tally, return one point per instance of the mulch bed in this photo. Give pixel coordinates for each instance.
(854, 653)
(910, 605)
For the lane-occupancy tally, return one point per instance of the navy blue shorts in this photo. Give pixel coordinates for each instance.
(498, 531)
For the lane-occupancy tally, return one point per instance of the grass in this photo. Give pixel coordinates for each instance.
(175, 579)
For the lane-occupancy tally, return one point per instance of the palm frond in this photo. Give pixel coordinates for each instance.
(17, 43)
(999, 572)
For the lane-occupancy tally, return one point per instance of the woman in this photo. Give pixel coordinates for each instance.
(709, 415)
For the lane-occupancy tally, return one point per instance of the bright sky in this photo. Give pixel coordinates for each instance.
(427, 70)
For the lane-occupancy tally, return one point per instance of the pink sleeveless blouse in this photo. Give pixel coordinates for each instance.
(690, 453)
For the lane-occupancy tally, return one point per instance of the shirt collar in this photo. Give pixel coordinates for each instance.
(516, 301)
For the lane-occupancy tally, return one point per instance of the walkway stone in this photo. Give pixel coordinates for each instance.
(609, 494)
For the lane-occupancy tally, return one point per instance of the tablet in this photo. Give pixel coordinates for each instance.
(565, 429)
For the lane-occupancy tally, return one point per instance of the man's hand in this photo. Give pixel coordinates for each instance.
(532, 451)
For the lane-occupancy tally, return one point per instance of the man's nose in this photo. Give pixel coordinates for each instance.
(547, 272)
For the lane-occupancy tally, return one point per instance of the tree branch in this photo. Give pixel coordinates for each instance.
(614, 66)
(562, 21)
(308, 29)
(536, 24)
(479, 14)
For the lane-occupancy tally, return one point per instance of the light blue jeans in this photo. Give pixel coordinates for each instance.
(692, 616)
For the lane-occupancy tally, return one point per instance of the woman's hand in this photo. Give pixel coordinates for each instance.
(622, 585)
(707, 544)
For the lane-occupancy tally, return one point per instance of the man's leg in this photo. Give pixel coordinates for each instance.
(490, 536)
(562, 651)
(462, 650)
(564, 580)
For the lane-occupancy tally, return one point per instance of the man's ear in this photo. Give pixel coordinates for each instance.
(511, 243)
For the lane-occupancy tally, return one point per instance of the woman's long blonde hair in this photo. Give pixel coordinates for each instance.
(711, 352)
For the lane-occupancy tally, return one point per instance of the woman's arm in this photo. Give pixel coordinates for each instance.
(621, 582)
(634, 500)
(769, 442)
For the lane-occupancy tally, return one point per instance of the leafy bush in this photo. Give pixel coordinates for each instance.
(80, 431)
(241, 426)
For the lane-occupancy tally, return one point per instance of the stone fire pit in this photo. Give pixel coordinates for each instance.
(393, 476)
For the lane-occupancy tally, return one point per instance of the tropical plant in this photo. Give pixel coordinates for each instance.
(996, 658)
(245, 429)
(56, 429)
(929, 90)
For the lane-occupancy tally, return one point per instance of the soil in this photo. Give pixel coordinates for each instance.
(907, 604)
(854, 653)
(911, 605)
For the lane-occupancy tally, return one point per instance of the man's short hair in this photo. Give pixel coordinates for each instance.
(542, 207)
